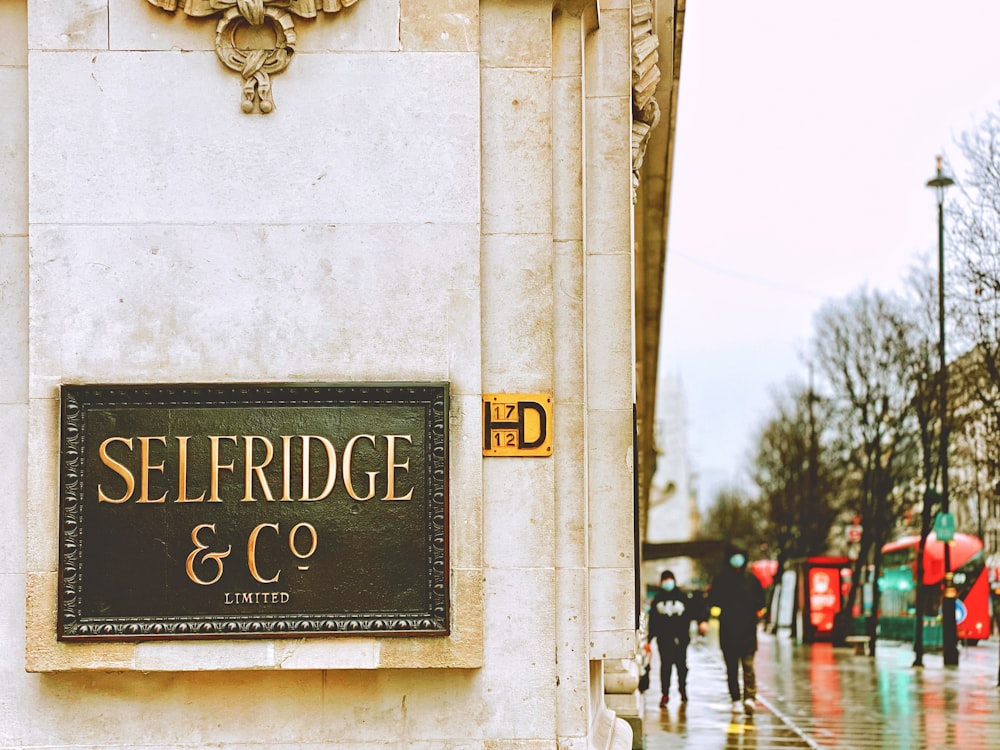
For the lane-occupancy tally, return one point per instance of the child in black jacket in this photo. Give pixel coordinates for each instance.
(670, 616)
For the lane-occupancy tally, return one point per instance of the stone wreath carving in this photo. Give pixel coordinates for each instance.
(255, 65)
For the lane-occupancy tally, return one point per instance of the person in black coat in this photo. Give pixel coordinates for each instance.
(670, 616)
(739, 598)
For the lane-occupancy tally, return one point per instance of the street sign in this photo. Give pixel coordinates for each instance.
(517, 424)
(960, 612)
(944, 527)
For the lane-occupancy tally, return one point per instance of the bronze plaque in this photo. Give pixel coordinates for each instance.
(243, 510)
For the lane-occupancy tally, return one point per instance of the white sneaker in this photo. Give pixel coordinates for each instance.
(750, 705)
(737, 707)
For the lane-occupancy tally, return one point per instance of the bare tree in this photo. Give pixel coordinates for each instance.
(796, 485)
(736, 517)
(974, 248)
(974, 297)
(864, 349)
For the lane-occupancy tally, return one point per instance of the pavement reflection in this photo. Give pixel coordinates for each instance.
(823, 697)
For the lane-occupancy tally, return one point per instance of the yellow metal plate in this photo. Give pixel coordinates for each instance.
(517, 424)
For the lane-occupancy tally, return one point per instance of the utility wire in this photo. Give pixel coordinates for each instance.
(747, 278)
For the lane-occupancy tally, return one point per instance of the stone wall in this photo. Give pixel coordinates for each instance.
(441, 193)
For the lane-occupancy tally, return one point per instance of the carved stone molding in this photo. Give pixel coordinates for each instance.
(268, 20)
(645, 76)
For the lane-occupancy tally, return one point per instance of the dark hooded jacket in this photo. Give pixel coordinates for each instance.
(671, 614)
(738, 594)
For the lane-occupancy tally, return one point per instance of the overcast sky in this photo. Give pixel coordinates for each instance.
(806, 132)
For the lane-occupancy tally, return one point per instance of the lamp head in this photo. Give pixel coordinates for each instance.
(940, 181)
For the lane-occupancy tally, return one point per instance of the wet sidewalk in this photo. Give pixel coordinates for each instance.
(828, 698)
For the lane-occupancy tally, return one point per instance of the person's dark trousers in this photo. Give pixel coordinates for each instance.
(734, 660)
(673, 654)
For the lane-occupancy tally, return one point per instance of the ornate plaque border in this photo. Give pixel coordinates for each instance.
(76, 400)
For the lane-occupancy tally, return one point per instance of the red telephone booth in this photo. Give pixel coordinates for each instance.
(819, 595)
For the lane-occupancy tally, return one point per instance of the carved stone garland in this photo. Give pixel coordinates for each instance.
(255, 65)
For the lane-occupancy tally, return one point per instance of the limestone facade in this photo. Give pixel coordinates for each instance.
(443, 192)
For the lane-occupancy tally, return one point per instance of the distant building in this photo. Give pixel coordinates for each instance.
(673, 501)
(974, 453)
(973, 456)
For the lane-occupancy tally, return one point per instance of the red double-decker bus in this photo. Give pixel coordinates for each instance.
(968, 563)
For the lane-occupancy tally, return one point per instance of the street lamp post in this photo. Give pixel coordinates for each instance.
(949, 637)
